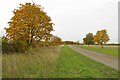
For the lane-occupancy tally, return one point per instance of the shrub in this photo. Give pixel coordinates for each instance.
(13, 47)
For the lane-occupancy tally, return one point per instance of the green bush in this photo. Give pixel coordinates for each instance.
(13, 47)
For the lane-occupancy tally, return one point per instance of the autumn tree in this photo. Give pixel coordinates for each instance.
(89, 39)
(101, 37)
(55, 40)
(29, 23)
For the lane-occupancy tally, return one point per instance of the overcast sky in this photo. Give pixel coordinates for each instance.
(73, 19)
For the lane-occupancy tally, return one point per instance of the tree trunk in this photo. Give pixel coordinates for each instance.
(31, 38)
(30, 41)
(101, 44)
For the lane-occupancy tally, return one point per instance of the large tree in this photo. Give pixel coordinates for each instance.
(101, 37)
(88, 39)
(29, 23)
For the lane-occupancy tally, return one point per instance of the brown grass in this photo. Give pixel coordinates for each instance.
(39, 62)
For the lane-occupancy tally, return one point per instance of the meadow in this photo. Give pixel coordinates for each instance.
(108, 50)
(36, 63)
(54, 62)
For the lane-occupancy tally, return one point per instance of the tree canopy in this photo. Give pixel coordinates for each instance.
(88, 39)
(29, 23)
(101, 37)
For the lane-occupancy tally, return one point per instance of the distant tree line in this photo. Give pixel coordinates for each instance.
(100, 38)
(70, 43)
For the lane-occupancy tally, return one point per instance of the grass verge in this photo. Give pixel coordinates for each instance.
(74, 65)
(111, 51)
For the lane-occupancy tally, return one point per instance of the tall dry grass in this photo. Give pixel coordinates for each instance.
(35, 63)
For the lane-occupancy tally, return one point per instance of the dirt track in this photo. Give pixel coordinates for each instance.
(102, 58)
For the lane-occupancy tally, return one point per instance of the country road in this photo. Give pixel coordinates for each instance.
(102, 58)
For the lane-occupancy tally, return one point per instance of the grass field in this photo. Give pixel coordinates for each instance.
(36, 63)
(112, 51)
(54, 63)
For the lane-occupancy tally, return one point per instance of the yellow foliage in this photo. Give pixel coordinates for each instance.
(29, 23)
(101, 37)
